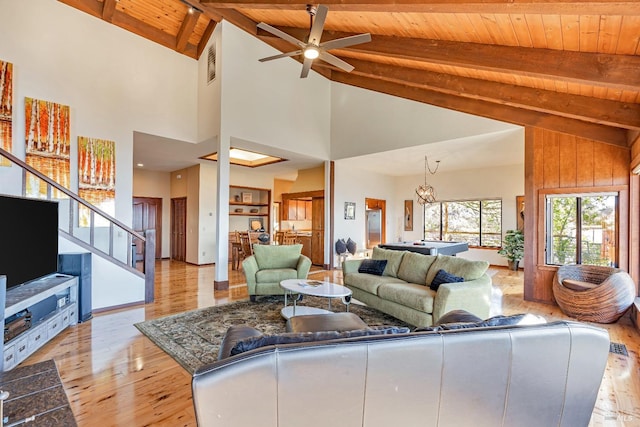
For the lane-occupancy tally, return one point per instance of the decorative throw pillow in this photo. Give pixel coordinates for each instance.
(351, 246)
(578, 285)
(444, 277)
(372, 266)
(341, 246)
(470, 270)
(516, 319)
(302, 337)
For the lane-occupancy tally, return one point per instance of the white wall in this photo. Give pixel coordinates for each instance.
(110, 285)
(504, 183)
(268, 103)
(365, 122)
(354, 185)
(209, 93)
(115, 83)
(207, 219)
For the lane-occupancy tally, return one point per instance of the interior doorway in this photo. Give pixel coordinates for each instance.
(375, 222)
(147, 215)
(179, 229)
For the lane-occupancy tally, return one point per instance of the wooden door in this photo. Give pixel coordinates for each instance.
(179, 229)
(317, 231)
(147, 215)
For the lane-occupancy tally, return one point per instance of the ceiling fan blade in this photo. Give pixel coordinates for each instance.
(346, 41)
(281, 34)
(282, 55)
(306, 66)
(318, 24)
(335, 61)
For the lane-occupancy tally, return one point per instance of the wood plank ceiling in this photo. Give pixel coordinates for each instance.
(571, 66)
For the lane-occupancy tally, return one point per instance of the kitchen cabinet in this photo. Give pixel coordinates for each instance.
(297, 210)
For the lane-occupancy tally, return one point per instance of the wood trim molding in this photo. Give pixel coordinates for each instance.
(302, 194)
(606, 7)
(221, 285)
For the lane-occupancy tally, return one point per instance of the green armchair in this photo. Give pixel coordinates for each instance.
(270, 264)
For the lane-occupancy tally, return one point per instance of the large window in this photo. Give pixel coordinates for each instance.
(477, 222)
(581, 229)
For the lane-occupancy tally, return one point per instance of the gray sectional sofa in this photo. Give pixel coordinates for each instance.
(536, 375)
(403, 290)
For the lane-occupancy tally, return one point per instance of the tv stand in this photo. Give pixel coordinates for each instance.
(53, 301)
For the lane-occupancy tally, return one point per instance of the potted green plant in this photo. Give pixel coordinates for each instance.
(513, 248)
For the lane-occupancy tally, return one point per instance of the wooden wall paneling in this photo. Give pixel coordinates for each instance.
(603, 165)
(584, 160)
(623, 232)
(634, 229)
(532, 170)
(551, 152)
(621, 166)
(553, 163)
(568, 162)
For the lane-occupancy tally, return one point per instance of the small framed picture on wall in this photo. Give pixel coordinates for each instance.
(408, 215)
(349, 210)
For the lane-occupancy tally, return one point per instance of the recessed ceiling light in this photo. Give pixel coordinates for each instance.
(250, 159)
(140, 165)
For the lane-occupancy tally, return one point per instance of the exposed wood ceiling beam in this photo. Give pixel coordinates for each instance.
(122, 20)
(618, 72)
(594, 110)
(233, 16)
(613, 7)
(206, 36)
(108, 7)
(186, 29)
(506, 113)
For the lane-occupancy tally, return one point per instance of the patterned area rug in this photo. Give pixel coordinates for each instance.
(193, 338)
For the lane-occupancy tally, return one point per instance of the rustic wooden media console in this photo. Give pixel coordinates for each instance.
(52, 300)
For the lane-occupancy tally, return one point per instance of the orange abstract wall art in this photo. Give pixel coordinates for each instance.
(47, 145)
(6, 109)
(96, 176)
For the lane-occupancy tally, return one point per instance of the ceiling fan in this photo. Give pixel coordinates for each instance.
(312, 48)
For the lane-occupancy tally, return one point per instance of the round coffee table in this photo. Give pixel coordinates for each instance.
(314, 288)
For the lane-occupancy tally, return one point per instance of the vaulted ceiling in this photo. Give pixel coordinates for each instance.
(571, 66)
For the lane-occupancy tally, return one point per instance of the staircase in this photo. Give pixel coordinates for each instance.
(105, 236)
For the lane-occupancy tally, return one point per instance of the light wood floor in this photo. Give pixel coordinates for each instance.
(115, 376)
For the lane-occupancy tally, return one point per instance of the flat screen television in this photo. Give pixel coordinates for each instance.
(28, 239)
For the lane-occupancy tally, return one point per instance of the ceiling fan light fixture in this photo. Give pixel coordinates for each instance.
(311, 52)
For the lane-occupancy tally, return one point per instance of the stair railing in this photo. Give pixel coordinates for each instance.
(103, 235)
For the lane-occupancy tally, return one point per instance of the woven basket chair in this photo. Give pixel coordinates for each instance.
(605, 303)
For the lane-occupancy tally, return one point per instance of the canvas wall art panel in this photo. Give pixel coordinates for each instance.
(47, 145)
(6, 109)
(96, 177)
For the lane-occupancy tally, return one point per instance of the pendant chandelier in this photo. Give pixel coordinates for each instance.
(426, 193)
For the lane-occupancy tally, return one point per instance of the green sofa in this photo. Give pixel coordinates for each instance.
(271, 264)
(403, 292)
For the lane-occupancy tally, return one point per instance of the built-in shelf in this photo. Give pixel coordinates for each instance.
(247, 198)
